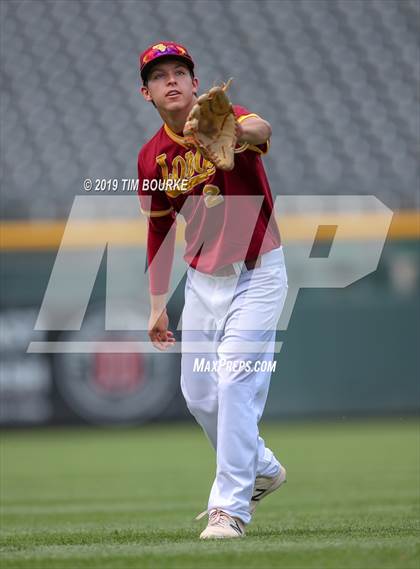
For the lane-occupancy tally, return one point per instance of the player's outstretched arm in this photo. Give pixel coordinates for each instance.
(253, 130)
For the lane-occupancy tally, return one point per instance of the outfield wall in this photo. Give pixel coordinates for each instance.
(345, 352)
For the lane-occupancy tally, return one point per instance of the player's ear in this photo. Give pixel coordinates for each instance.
(195, 83)
(146, 93)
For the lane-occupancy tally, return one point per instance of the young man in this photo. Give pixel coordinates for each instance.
(236, 283)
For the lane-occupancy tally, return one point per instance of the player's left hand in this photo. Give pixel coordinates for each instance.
(210, 127)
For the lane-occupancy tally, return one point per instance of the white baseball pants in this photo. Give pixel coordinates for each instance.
(227, 321)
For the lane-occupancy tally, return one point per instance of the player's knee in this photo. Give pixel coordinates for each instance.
(200, 407)
(236, 389)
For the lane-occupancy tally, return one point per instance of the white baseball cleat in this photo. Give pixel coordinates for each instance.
(222, 526)
(264, 486)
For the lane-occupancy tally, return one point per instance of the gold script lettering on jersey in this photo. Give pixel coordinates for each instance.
(191, 166)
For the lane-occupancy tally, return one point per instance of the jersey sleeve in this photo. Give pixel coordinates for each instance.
(241, 114)
(161, 230)
(153, 203)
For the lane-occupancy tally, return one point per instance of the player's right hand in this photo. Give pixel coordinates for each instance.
(161, 337)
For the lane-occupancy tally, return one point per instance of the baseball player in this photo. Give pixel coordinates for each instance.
(236, 281)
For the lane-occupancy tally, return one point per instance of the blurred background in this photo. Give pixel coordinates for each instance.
(338, 81)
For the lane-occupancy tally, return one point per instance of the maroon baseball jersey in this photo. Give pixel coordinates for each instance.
(228, 214)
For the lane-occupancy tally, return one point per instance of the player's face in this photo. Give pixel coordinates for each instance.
(170, 86)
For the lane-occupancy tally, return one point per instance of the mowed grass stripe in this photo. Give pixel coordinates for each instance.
(64, 509)
(15, 512)
(328, 554)
(147, 537)
(170, 547)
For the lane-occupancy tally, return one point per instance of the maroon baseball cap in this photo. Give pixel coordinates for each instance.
(164, 49)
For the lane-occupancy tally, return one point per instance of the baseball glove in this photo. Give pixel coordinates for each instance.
(211, 127)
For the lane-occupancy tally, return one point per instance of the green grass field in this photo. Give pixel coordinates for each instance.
(127, 498)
